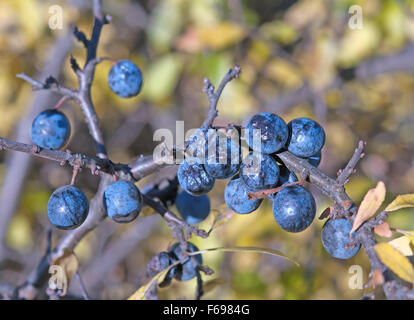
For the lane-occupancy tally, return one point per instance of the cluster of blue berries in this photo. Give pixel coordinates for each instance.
(266, 134)
(184, 271)
(68, 206)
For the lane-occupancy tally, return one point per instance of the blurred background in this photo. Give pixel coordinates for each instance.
(298, 58)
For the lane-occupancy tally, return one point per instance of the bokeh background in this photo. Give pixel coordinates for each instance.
(298, 58)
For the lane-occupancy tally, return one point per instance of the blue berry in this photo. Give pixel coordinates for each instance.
(273, 132)
(123, 201)
(193, 177)
(197, 144)
(306, 137)
(193, 209)
(235, 196)
(294, 208)
(225, 161)
(335, 239)
(50, 129)
(259, 171)
(285, 177)
(188, 269)
(125, 79)
(315, 160)
(68, 207)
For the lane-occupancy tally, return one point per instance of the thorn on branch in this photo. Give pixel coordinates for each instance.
(214, 95)
(344, 175)
(80, 36)
(74, 64)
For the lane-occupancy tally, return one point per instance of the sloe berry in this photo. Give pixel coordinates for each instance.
(306, 137)
(193, 177)
(193, 209)
(122, 201)
(336, 240)
(235, 196)
(68, 207)
(294, 208)
(259, 171)
(187, 269)
(50, 129)
(273, 132)
(125, 79)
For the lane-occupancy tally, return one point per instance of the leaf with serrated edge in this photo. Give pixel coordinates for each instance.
(396, 261)
(369, 205)
(140, 294)
(400, 202)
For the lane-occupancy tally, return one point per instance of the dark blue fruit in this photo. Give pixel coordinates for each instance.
(68, 207)
(188, 269)
(193, 209)
(223, 158)
(193, 177)
(235, 196)
(273, 132)
(294, 208)
(315, 160)
(285, 177)
(123, 201)
(335, 239)
(306, 137)
(259, 171)
(197, 144)
(125, 79)
(50, 129)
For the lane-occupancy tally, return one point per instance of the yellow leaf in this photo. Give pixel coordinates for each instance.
(220, 35)
(402, 244)
(141, 293)
(394, 260)
(400, 202)
(369, 205)
(408, 234)
(69, 262)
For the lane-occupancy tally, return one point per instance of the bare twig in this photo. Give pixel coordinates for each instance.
(214, 95)
(82, 286)
(350, 167)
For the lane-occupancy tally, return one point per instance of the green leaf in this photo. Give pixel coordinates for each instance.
(400, 202)
(396, 261)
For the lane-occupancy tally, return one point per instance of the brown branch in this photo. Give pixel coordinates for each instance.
(95, 164)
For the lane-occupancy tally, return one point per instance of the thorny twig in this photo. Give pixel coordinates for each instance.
(214, 95)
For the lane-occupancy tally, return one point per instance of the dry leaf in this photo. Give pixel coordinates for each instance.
(396, 261)
(383, 230)
(369, 205)
(69, 263)
(377, 278)
(400, 202)
(402, 244)
(326, 213)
